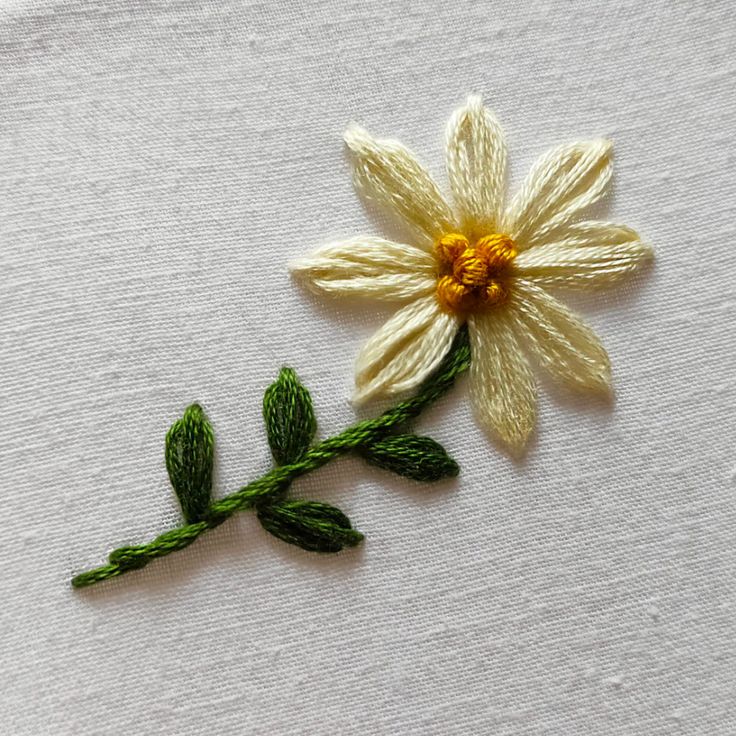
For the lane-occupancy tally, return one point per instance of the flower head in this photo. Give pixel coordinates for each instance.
(481, 263)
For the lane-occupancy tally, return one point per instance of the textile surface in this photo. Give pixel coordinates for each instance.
(160, 162)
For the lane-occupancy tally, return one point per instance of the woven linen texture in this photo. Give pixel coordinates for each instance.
(160, 164)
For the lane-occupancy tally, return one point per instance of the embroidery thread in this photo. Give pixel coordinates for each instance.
(472, 280)
(290, 427)
(480, 264)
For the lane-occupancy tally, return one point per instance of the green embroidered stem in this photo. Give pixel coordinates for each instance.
(273, 484)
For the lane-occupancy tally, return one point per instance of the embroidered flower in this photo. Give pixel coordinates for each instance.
(482, 264)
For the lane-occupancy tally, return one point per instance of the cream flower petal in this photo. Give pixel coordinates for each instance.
(476, 167)
(367, 266)
(568, 349)
(594, 232)
(405, 350)
(562, 182)
(385, 171)
(502, 387)
(587, 254)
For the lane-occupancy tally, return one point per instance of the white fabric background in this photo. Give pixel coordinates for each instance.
(160, 162)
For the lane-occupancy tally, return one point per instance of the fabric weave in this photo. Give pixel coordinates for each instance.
(160, 164)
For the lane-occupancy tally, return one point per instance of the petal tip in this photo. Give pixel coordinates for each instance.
(361, 395)
(605, 144)
(297, 266)
(474, 102)
(513, 432)
(605, 383)
(599, 382)
(647, 251)
(599, 148)
(355, 137)
(515, 437)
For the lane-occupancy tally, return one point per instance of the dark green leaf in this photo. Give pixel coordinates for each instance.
(316, 527)
(419, 458)
(190, 445)
(289, 417)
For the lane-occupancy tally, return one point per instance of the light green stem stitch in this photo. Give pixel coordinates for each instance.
(276, 481)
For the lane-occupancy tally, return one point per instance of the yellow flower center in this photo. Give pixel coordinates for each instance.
(472, 277)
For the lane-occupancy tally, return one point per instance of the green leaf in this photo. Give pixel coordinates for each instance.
(289, 417)
(316, 527)
(190, 446)
(419, 458)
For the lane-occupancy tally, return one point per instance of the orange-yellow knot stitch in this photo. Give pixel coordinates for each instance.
(470, 268)
(498, 250)
(472, 277)
(450, 246)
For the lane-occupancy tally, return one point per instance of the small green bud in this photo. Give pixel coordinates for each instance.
(190, 445)
(419, 458)
(289, 417)
(316, 527)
